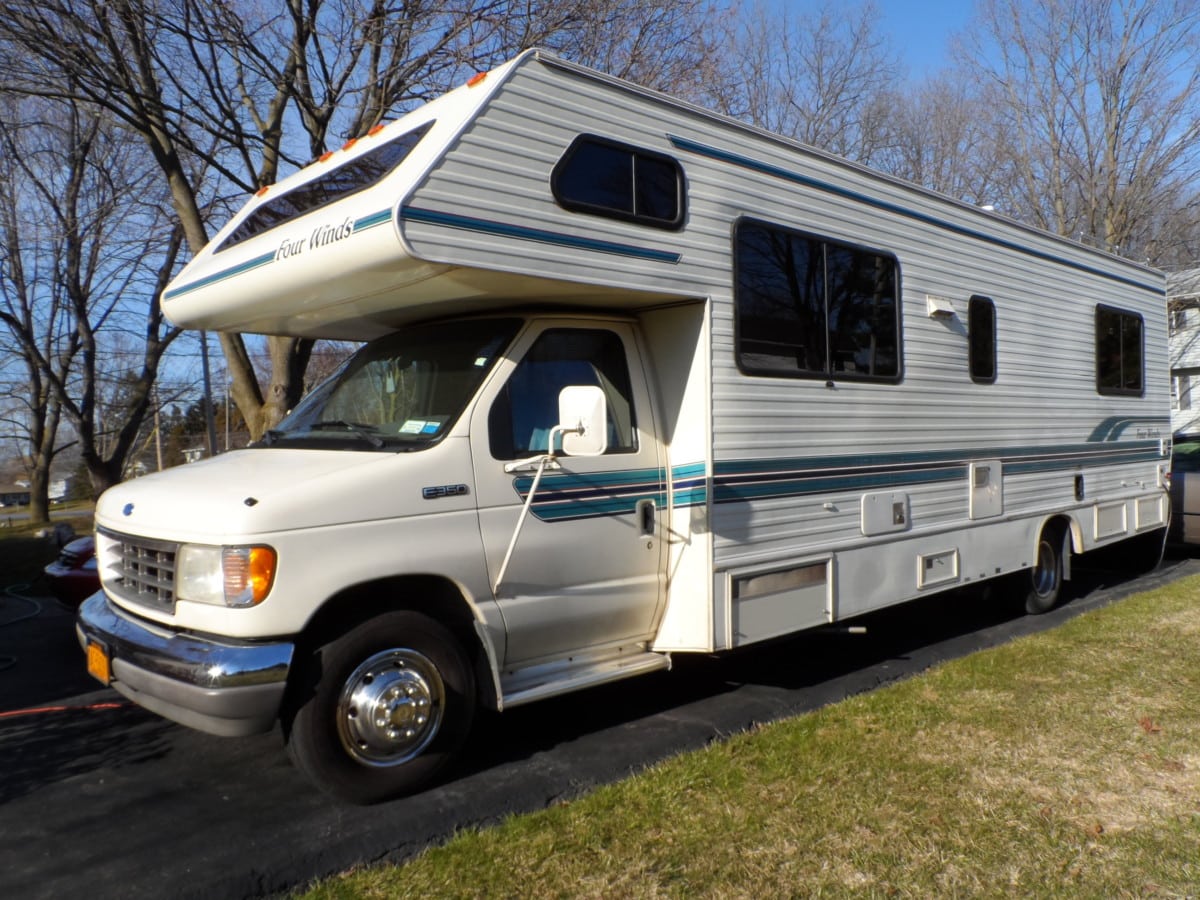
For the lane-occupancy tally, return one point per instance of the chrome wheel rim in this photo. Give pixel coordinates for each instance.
(1045, 574)
(391, 707)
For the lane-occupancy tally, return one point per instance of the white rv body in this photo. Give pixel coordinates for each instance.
(748, 501)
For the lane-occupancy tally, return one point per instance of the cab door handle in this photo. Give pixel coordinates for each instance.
(645, 517)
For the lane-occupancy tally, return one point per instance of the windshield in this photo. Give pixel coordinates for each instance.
(401, 392)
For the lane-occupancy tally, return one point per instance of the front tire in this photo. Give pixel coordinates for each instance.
(1045, 579)
(381, 709)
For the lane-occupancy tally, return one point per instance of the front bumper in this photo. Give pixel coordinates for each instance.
(225, 687)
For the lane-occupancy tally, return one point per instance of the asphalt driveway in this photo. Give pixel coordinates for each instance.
(100, 799)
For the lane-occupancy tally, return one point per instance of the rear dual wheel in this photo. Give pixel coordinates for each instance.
(381, 709)
(1045, 579)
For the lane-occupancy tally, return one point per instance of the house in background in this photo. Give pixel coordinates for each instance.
(1183, 305)
(14, 495)
(17, 493)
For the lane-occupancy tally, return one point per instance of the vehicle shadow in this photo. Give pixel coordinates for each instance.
(57, 722)
(40, 658)
(47, 745)
(787, 676)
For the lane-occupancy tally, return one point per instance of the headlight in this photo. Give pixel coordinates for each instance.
(224, 576)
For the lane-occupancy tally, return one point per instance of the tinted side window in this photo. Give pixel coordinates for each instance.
(981, 339)
(861, 297)
(1119, 366)
(811, 307)
(607, 178)
(597, 175)
(355, 175)
(522, 415)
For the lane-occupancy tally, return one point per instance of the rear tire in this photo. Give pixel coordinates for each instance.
(1045, 579)
(381, 709)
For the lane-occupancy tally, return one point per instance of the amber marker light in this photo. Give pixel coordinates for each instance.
(476, 78)
(249, 573)
(375, 129)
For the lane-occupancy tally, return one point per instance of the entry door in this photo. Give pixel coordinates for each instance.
(587, 568)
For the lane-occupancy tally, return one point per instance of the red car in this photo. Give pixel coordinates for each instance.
(73, 576)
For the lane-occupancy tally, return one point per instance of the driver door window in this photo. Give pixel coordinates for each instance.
(527, 407)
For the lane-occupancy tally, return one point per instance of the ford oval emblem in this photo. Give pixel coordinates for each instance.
(128, 510)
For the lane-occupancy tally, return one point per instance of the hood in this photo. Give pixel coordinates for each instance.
(249, 492)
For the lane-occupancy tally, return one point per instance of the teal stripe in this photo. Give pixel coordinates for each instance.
(522, 232)
(689, 484)
(742, 480)
(233, 271)
(691, 470)
(867, 200)
(571, 496)
(377, 218)
(1113, 427)
(364, 223)
(578, 496)
(1067, 454)
(725, 492)
(691, 497)
(633, 479)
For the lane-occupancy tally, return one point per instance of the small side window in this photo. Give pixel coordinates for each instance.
(606, 178)
(1119, 357)
(981, 339)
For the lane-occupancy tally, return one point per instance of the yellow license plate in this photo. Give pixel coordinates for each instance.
(98, 664)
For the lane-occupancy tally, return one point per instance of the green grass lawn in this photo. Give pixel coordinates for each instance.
(1066, 764)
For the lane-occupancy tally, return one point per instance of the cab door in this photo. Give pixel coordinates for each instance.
(587, 568)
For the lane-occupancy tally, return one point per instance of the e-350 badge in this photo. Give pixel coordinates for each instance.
(445, 490)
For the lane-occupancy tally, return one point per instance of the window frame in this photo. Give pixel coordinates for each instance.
(1126, 315)
(560, 171)
(978, 301)
(829, 375)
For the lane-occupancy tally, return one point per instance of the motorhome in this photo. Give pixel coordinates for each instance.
(637, 380)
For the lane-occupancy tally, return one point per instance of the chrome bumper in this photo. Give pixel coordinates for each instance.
(226, 687)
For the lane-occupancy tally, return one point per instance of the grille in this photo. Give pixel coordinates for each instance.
(139, 569)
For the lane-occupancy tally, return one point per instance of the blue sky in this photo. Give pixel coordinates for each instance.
(920, 29)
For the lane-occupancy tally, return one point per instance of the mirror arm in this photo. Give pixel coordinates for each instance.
(541, 462)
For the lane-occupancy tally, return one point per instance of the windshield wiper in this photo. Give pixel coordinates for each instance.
(360, 430)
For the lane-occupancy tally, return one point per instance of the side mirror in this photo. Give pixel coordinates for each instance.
(583, 420)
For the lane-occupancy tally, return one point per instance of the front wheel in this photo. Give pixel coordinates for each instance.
(381, 709)
(1044, 586)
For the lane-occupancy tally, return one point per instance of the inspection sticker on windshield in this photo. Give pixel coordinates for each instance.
(419, 426)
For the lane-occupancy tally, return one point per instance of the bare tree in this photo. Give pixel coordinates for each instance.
(209, 88)
(941, 139)
(824, 77)
(1096, 109)
(75, 245)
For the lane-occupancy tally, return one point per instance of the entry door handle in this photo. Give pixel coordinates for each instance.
(646, 517)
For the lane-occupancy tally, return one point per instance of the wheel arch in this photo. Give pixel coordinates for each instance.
(435, 596)
(1073, 542)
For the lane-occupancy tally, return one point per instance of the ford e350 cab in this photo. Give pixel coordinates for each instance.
(389, 493)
